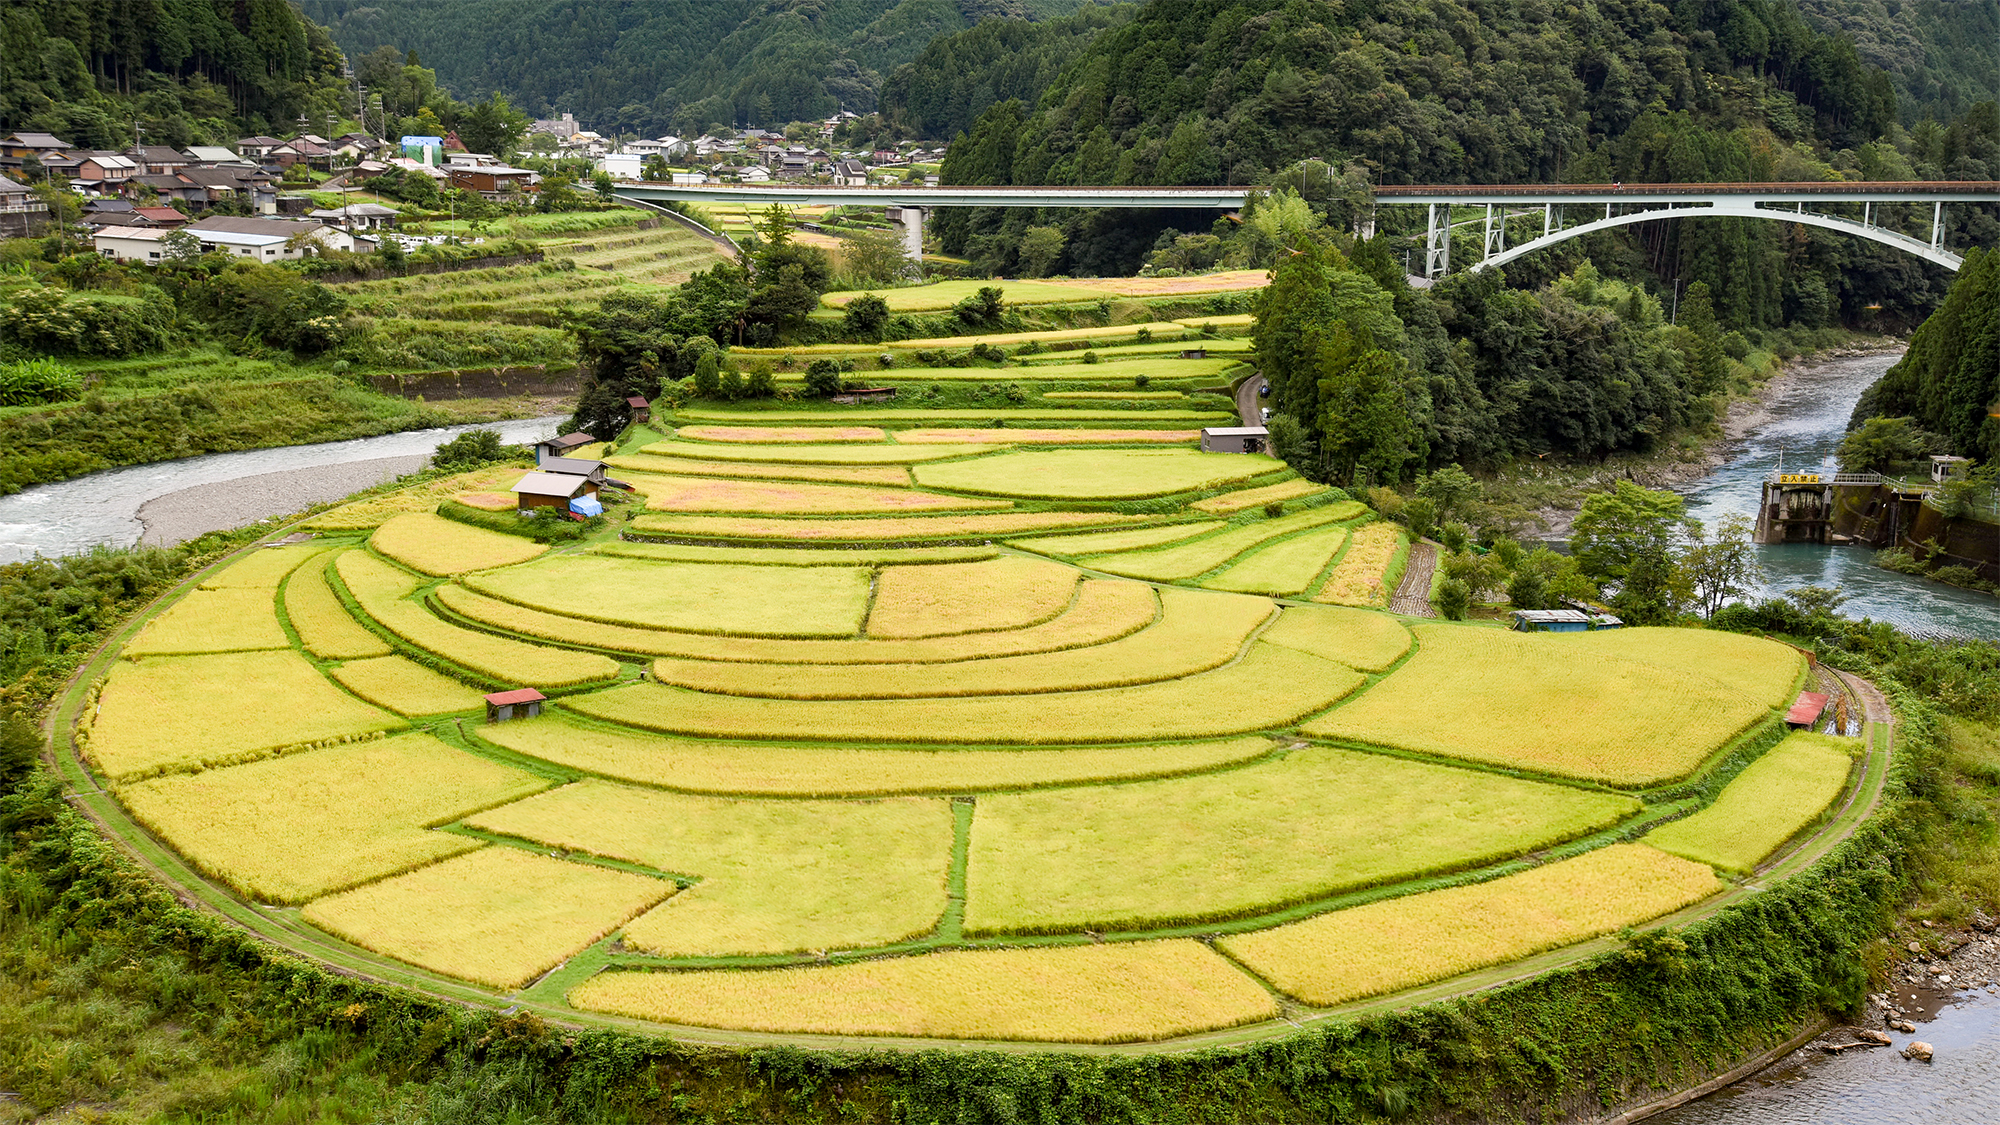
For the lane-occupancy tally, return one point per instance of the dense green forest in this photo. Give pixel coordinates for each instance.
(184, 71)
(944, 89)
(650, 67)
(1939, 53)
(1949, 380)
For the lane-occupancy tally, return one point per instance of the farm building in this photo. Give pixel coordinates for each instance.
(560, 446)
(1551, 621)
(565, 491)
(523, 703)
(642, 411)
(1806, 710)
(593, 471)
(1235, 439)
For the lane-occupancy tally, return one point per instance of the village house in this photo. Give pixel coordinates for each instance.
(18, 147)
(754, 174)
(850, 173)
(561, 128)
(215, 155)
(258, 148)
(155, 160)
(21, 214)
(358, 216)
(493, 181)
(102, 171)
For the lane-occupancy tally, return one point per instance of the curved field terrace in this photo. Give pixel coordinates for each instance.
(998, 742)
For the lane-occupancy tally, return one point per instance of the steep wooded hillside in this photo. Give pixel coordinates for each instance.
(658, 66)
(187, 71)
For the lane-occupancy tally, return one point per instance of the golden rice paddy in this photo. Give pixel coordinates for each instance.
(776, 876)
(438, 546)
(158, 713)
(755, 769)
(1767, 804)
(1402, 942)
(497, 917)
(323, 624)
(1561, 704)
(830, 749)
(1122, 993)
(290, 829)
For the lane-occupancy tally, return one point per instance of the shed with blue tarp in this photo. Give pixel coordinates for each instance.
(1551, 621)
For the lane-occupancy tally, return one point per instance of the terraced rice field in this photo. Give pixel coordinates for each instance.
(1088, 474)
(816, 762)
(1599, 711)
(1780, 794)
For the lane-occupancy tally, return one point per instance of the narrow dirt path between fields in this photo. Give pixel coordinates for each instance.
(1413, 594)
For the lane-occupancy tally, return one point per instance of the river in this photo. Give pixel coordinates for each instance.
(72, 516)
(1807, 418)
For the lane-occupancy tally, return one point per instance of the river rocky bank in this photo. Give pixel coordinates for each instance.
(1552, 494)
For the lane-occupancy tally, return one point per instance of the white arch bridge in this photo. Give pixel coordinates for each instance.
(1564, 211)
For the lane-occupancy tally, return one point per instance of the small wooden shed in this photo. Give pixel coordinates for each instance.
(560, 446)
(520, 703)
(1195, 353)
(551, 490)
(642, 411)
(1235, 439)
(1806, 710)
(577, 467)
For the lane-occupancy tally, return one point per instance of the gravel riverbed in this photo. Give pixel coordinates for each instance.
(182, 515)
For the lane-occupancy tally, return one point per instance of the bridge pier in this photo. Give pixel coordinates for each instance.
(910, 220)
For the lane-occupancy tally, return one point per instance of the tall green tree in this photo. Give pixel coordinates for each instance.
(1365, 429)
(1627, 527)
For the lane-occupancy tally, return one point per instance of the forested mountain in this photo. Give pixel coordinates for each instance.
(1949, 380)
(657, 66)
(1451, 91)
(188, 71)
(1939, 53)
(945, 89)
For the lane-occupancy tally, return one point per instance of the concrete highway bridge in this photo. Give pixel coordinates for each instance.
(1502, 212)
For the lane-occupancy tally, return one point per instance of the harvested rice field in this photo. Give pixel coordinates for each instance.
(984, 734)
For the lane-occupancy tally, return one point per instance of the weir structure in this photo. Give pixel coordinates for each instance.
(1564, 211)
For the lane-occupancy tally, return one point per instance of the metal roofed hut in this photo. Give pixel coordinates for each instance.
(1235, 439)
(642, 411)
(521, 703)
(560, 446)
(1551, 621)
(563, 491)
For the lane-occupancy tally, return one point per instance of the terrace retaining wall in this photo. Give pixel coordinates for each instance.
(412, 270)
(490, 382)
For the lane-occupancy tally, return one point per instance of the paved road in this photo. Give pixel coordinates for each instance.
(1248, 406)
